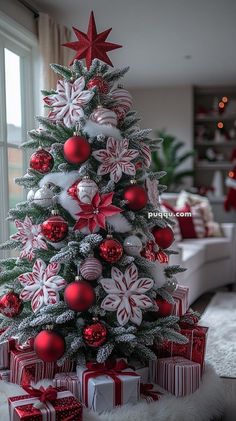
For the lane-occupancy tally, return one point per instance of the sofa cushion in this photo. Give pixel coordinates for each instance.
(192, 257)
(214, 248)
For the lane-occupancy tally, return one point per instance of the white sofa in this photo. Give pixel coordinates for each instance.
(210, 262)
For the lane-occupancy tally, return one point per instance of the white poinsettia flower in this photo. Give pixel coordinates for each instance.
(30, 236)
(116, 159)
(68, 102)
(126, 294)
(41, 286)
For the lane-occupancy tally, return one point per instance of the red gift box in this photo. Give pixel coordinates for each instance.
(26, 367)
(181, 297)
(31, 407)
(5, 348)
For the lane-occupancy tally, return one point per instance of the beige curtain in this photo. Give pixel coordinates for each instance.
(51, 36)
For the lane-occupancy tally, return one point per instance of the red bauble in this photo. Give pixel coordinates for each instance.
(77, 150)
(161, 256)
(49, 346)
(99, 83)
(165, 308)
(10, 304)
(136, 197)
(110, 250)
(55, 228)
(79, 296)
(95, 334)
(164, 237)
(41, 161)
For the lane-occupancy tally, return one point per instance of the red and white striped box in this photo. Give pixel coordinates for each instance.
(177, 375)
(181, 297)
(5, 348)
(69, 381)
(5, 375)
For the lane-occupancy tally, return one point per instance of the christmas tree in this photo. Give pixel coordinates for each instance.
(92, 279)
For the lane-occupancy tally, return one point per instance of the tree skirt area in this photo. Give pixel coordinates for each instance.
(207, 402)
(220, 316)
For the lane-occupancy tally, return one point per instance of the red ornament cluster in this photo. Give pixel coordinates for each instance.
(49, 346)
(10, 305)
(95, 334)
(77, 149)
(41, 161)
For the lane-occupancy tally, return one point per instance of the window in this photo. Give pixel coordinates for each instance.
(17, 49)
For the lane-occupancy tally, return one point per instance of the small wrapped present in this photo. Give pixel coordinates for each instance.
(5, 375)
(177, 375)
(104, 387)
(45, 405)
(150, 392)
(181, 297)
(27, 367)
(69, 381)
(140, 369)
(5, 348)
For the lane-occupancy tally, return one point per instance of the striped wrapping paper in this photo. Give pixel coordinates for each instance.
(177, 375)
(64, 408)
(69, 381)
(180, 296)
(5, 348)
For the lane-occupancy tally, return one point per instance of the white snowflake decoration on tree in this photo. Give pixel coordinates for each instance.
(126, 294)
(41, 286)
(30, 237)
(67, 104)
(116, 159)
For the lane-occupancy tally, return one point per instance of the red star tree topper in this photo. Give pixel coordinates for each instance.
(92, 45)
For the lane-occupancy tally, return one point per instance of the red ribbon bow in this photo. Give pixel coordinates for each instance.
(49, 394)
(146, 390)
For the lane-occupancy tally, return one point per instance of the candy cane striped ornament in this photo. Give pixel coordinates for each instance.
(91, 269)
(104, 116)
(123, 98)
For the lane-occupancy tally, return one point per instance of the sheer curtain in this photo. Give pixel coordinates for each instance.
(51, 36)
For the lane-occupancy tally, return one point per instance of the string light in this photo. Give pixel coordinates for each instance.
(221, 104)
(220, 125)
(225, 99)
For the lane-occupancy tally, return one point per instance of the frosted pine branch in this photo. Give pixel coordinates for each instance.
(104, 352)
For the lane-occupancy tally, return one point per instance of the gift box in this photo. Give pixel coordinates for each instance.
(63, 407)
(194, 350)
(27, 367)
(181, 297)
(104, 387)
(177, 375)
(69, 381)
(5, 348)
(151, 392)
(5, 375)
(140, 369)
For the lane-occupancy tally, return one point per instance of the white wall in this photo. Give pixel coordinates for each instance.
(19, 13)
(167, 107)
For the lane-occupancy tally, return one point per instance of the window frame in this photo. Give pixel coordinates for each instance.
(23, 43)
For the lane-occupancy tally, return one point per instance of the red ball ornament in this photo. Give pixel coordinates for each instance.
(110, 250)
(99, 83)
(79, 295)
(10, 304)
(55, 228)
(164, 237)
(41, 161)
(136, 197)
(77, 149)
(95, 334)
(49, 346)
(165, 309)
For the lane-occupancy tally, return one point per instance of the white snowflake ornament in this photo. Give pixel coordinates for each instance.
(116, 159)
(30, 237)
(41, 286)
(68, 102)
(126, 294)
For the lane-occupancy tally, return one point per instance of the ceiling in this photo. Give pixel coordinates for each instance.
(165, 42)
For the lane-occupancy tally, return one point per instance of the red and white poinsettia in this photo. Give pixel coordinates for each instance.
(94, 214)
(126, 294)
(68, 102)
(41, 286)
(116, 159)
(30, 237)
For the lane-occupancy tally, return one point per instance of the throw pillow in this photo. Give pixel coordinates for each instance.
(175, 227)
(190, 220)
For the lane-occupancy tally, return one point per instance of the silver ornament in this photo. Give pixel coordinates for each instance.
(30, 195)
(171, 284)
(44, 197)
(133, 245)
(86, 190)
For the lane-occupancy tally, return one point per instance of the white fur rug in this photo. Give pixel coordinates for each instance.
(220, 316)
(203, 405)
